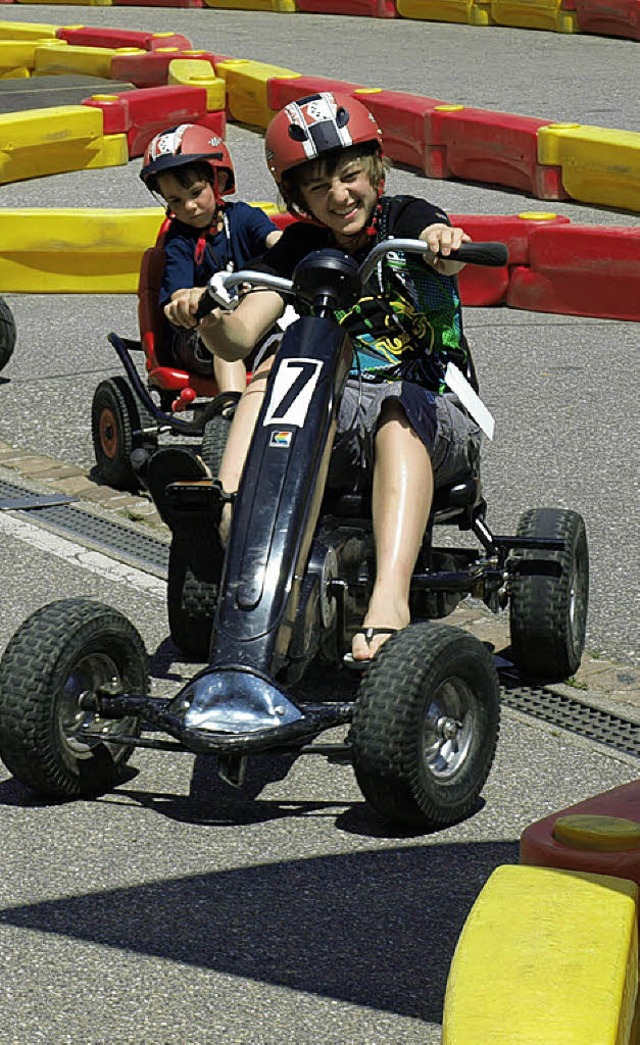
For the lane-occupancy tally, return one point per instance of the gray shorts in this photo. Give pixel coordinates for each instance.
(451, 437)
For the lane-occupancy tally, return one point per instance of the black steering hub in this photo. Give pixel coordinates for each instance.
(327, 279)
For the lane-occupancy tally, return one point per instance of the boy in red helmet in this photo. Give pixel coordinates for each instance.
(191, 169)
(400, 429)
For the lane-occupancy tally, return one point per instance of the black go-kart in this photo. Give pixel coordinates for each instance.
(285, 599)
(7, 333)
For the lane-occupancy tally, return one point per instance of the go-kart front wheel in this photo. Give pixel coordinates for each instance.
(425, 726)
(7, 333)
(64, 651)
(117, 423)
(548, 614)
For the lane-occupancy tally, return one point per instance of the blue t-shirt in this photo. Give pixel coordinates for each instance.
(248, 228)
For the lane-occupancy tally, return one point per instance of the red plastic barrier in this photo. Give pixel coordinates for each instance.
(367, 8)
(495, 147)
(86, 36)
(615, 855)
(403, 120)
(282, 220)
(481, 286)
(609, 17)
(580, 271)
(143, 113)
(281, 91)
(145, 70)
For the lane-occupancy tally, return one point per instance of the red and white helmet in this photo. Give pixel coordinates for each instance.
(314, 126)
(178, 146)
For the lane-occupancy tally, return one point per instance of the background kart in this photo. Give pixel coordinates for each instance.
(7, 333)
(125, 416)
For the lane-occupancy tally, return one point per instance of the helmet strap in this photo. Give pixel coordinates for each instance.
(372, 227)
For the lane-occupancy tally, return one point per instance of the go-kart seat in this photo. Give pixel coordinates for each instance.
(454, 503)
(162, 372)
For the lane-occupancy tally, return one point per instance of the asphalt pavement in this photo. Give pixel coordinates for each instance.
(172, 910)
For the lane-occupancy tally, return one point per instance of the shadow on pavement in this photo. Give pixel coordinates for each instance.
(375, 929)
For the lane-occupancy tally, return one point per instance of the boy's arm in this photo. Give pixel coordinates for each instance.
(181, 308)
(443, 239)
(233, 335)
(273, 238)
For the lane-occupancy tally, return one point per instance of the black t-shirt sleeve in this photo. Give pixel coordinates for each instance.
(297, 240)
(409, 216)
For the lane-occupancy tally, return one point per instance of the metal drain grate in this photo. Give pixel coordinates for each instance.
(572, 715)
(137, 549)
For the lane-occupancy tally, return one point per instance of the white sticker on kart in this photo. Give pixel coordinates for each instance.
(293, 388)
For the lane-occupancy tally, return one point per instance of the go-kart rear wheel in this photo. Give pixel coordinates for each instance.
(7, 333)
(425, 726)
(191, 603)
(62, 652)
(214, 441)
(548, 615)
(118, 422)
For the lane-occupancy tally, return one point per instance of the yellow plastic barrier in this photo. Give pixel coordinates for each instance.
(546, 957)
(599, 165)
(20, 72)
(64, 58)
(49, 141)
(27, 31)
(68, 251)
(279, 6)
(247, 88)
(534, 14)
(112, 151)
(21, 54)
(64, 251)
(469, 12)
(194, 72)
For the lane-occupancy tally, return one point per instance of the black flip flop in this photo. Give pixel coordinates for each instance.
(368, 633)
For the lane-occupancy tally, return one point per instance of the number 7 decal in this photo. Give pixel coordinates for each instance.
(293, 387)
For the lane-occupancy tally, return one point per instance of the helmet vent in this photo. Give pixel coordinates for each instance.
(298, 133)
(342, 117)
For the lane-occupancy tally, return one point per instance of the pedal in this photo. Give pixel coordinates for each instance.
(197, 495)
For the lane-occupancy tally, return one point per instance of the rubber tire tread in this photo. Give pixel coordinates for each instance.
(543, 643)
(116, 394)
(36, 661)
(214, 441)
(191, 603)
(7, 333)
(388, 717)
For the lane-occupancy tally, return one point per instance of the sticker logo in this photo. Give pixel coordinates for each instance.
(280, 439)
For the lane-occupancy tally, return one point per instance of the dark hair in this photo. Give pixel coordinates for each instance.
(185, 175)
(293, 180)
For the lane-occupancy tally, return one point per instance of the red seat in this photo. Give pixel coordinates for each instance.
(163, 374)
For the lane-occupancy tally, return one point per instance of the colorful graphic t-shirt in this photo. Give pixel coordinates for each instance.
(407, 324)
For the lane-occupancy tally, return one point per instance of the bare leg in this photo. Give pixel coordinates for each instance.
(401, 502)
(242, 426)
(230, 377)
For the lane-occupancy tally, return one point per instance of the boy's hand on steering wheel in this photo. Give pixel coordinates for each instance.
(181, 310)
(442, 239)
